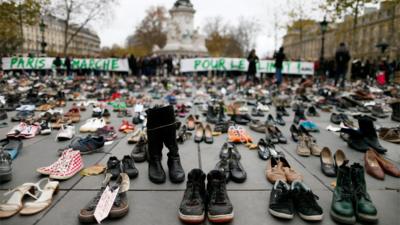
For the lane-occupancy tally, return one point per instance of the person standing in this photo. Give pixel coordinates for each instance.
(252, 70)
(67, 64)
(279, 58)
(133, 64)
(57, 63)
(342, 61)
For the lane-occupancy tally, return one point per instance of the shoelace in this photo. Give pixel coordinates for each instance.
(306, 199)
(218, 195)
(65, 164)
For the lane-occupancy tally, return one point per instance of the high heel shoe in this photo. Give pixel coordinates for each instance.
(14, 204)
(44, 200)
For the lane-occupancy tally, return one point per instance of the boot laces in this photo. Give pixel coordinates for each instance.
(218, 194)
(307, 199)
(194, 193)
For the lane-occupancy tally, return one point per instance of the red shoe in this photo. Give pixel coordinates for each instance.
(126, 127)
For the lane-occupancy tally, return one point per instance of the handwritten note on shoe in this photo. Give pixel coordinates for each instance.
(105, 204)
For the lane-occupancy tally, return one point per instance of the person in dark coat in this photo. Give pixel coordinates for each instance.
(252, 70)
(67, 64)
(132, 64)
(57, 63)
(279, 58)
(342, 61)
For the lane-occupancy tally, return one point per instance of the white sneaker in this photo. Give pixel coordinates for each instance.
(26, 108)
(88, 126)
(98, 123)
(66, 133)
(262, 107)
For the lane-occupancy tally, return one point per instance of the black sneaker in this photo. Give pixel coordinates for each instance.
(280, 201)
(305, 202)
(5, 166)
(220, 208)
(86, 215)
(114, 167)
(227, 150)
(128, 167)
(192, 208)
(45, 128)
(88, 144)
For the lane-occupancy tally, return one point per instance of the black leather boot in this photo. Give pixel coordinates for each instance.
(396, 111)
(161, 130)
(370, 137)
(176, 172)
(156, 171)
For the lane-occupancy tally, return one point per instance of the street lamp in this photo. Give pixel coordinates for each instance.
(43, 44)
(324, 27)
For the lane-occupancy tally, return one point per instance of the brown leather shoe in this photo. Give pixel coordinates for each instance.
(274, 171)
(387, 166)
(258, 126)
(372, 166)
(302, 147)
(291, 174)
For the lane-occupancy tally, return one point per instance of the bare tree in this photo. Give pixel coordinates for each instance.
(77, 14)
(246, 32)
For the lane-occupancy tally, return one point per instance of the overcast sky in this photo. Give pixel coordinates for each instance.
(128, 13)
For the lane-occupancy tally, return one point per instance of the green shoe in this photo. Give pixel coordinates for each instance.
(365, 209)
(342, 201)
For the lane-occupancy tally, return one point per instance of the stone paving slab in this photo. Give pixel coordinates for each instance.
(158, 204)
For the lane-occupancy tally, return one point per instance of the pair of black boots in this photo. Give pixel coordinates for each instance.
(365, 137)
(197, 201)
(161, 130)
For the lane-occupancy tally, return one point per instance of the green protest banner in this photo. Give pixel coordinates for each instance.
(241, 64)
(37, 63)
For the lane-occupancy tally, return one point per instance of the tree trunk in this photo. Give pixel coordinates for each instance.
(21, 27)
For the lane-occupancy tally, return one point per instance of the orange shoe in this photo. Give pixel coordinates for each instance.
(126, 127)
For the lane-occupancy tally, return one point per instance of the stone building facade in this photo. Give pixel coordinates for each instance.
(374, 27)
(86, 43)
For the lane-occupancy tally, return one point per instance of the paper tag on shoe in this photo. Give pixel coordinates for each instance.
(139, 108)
(105, 204)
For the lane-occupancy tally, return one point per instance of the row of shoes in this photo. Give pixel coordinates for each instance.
(279, 169)
(67, 165)
(266, 149)
(307, 146)
(329, 164)
(203, 133)
(230, 164)
(363, 138)
(286, 199)
(91, 125)
(377, 166)
(40, 197)
(24, 131)
(237, 134)
(351, 201)
(85, 145)
(126, 165)
(200, 201)
(120, 206)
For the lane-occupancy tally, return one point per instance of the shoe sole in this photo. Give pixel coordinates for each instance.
(220, 218)
(311, 218)
(191, 219)
(367, 218)
(342, 219)
(4, 177)
(119, 213)
(87, 219)
(281, 215)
